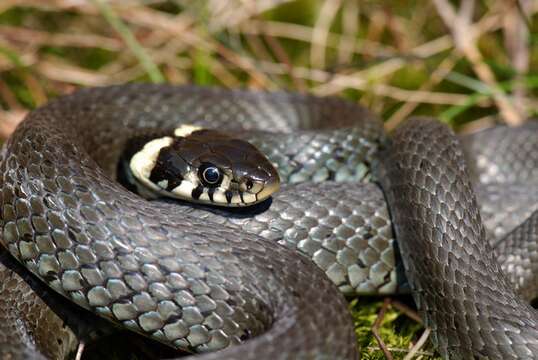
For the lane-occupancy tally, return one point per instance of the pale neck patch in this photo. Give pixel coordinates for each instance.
(144, 161)
(186, 130)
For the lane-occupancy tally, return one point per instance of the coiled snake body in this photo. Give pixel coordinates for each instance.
(188, 277)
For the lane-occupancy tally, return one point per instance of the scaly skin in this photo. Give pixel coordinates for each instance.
(203, 280)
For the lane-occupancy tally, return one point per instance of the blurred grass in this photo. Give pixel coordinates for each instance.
(397, 58)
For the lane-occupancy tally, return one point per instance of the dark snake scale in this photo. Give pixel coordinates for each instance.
(204, 279)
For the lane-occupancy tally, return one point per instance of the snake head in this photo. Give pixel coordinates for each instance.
(204, 166)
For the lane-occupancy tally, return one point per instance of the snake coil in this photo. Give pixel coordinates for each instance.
(189, 278)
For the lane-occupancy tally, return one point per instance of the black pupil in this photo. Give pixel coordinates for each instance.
(211, 175)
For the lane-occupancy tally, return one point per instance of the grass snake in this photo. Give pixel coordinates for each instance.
(201, 279)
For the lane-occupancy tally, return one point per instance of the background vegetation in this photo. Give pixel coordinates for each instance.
(469, 63)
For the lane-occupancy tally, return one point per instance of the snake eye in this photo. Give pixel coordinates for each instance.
(249, 184)
(210, 174)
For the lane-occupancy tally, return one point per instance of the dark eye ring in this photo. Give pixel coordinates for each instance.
(210, 175)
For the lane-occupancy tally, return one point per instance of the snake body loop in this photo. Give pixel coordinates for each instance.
(187, 282)
(203, 280)
(456, 280)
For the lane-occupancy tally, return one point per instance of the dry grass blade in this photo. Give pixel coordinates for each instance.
(71, 74)
(282, 56)
(304, 34)
(414, 100)
(516, 38)
(465, 41)
(36, 37)
(350, 27)
(419, 344)
(327, 13)
(130, 40)
(376, 327)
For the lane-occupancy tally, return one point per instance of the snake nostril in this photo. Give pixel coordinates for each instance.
(247, 335)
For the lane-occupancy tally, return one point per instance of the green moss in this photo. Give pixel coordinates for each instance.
(397, 330)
